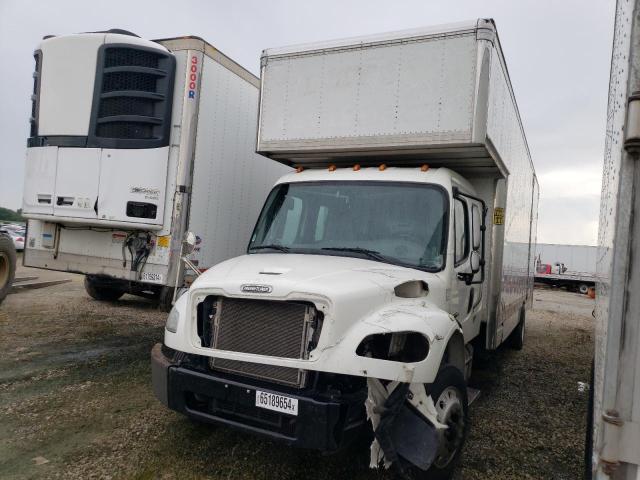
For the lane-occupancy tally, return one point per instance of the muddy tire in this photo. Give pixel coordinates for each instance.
(516, 339)
(98, 290)
(449, 393)
(7, 265)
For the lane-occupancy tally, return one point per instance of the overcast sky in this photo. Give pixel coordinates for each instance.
(558, 54)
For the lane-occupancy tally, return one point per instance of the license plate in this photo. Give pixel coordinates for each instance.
(277, 403)
(151, 277)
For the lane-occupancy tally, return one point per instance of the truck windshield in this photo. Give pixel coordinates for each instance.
(392, 222)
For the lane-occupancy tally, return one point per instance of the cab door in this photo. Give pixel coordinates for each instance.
(463, 292)
(467, 233)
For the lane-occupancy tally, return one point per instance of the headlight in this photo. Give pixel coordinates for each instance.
(172, 320)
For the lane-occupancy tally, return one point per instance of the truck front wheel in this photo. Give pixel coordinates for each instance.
(7, 265)
(449, 394)
(101, 290)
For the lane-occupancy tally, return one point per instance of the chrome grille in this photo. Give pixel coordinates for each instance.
(261, 327)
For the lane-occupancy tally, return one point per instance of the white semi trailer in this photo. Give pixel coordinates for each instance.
(613, 446)
(404, 239)
(134, 142)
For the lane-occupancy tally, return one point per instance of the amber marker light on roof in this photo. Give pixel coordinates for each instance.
(424, 168)
(382, 167)
(356, 167)
(299, 169)
(332, 168)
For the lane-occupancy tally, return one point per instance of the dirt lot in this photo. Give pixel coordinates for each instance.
(76, 401)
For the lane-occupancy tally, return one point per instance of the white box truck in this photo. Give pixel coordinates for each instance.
(613, 444)
(134, 142)
(404, 240)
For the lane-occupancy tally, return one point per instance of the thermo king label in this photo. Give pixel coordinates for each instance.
(498, 216)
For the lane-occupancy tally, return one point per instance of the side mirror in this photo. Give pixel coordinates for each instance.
(189, 243)
(474, 261)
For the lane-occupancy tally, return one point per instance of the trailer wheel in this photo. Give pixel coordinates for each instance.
(7, 265)
(516, 339)
(98, 290)
(165, 297)
(449, 393)
(583, 288)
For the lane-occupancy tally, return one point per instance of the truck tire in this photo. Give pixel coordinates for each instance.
(516, 339)
(7, 265)
(449, 393)
(99, 291)
(583, 288)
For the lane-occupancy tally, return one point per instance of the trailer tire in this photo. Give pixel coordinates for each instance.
(165, 297)
(516, 339)
(99, 291)
(583, 288)
(7, 265)
(449, 393)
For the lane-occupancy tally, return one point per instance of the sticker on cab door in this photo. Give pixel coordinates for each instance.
(498, 216)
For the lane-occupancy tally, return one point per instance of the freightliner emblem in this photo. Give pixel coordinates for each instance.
(256, 288)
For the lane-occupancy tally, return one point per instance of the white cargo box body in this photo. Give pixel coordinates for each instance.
(441, 92)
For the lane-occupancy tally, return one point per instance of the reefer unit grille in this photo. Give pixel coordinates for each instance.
(262, 327)
(132, 103)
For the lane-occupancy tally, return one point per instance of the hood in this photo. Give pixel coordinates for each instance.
(346, 286)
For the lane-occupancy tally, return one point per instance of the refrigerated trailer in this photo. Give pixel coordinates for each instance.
(613, 445)
(134, 142)
(404, 240)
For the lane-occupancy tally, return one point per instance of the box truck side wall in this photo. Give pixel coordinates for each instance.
(616, 386)
(230, 181)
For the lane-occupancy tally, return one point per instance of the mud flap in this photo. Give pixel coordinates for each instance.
(405, 425)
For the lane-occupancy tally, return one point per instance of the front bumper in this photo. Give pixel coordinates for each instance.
(325, 424)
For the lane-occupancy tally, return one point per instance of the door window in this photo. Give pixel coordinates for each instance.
(461, 232)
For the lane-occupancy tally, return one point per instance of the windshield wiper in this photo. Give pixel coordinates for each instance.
(372, 254)
(273, 246)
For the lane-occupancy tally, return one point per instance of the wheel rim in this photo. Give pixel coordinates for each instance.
(583, 289)
(450, 413)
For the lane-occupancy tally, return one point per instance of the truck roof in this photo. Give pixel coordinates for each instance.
(400, 35)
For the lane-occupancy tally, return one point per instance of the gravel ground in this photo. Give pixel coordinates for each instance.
(76, 401)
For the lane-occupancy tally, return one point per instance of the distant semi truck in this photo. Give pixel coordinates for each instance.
(613, 444)
(133, 143)
(569, 266)
(405, 239)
